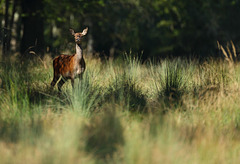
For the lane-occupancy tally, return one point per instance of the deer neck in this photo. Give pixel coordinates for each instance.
(79, 54)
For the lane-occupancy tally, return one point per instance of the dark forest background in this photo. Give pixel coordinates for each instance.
(151, 28)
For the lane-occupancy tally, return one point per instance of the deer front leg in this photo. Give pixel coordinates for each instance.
(60, 84)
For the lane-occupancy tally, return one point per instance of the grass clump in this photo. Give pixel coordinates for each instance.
(125, 91)
(86, 96)
(170, 83)
(103, 135)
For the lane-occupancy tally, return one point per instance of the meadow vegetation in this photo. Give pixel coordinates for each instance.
(123, 111)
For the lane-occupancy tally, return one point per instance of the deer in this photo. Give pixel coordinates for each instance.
(69, 66)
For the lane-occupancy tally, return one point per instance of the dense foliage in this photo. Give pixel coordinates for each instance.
(152, 28)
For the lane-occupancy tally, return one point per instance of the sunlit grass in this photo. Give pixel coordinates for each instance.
(174, 111)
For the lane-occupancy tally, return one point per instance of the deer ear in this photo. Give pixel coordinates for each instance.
(72, 31)
(85, 31)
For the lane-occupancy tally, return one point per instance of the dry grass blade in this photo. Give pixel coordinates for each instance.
(229, 54)
(34, 53)
(225, 54)
(234, 50)
(220, 47)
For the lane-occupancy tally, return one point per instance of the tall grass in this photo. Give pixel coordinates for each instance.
(102, 120)
(15, 93)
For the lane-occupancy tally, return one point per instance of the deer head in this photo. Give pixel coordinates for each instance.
(78, 36)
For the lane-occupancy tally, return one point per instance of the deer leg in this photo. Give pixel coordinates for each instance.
(72, 82)
(80, 77)
(54, 81)
(60, 84)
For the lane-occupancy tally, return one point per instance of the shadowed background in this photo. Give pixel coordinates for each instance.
(151, 28)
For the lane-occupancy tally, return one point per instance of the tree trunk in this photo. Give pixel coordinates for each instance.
(9, 38)
(32, 27)
(5, 29)
(89, 23)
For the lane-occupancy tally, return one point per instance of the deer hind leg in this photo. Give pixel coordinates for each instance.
(54, 81)
(60, 83)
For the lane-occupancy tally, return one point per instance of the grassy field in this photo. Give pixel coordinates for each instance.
(173, 111)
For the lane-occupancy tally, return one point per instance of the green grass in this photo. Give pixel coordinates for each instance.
(175, 111)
